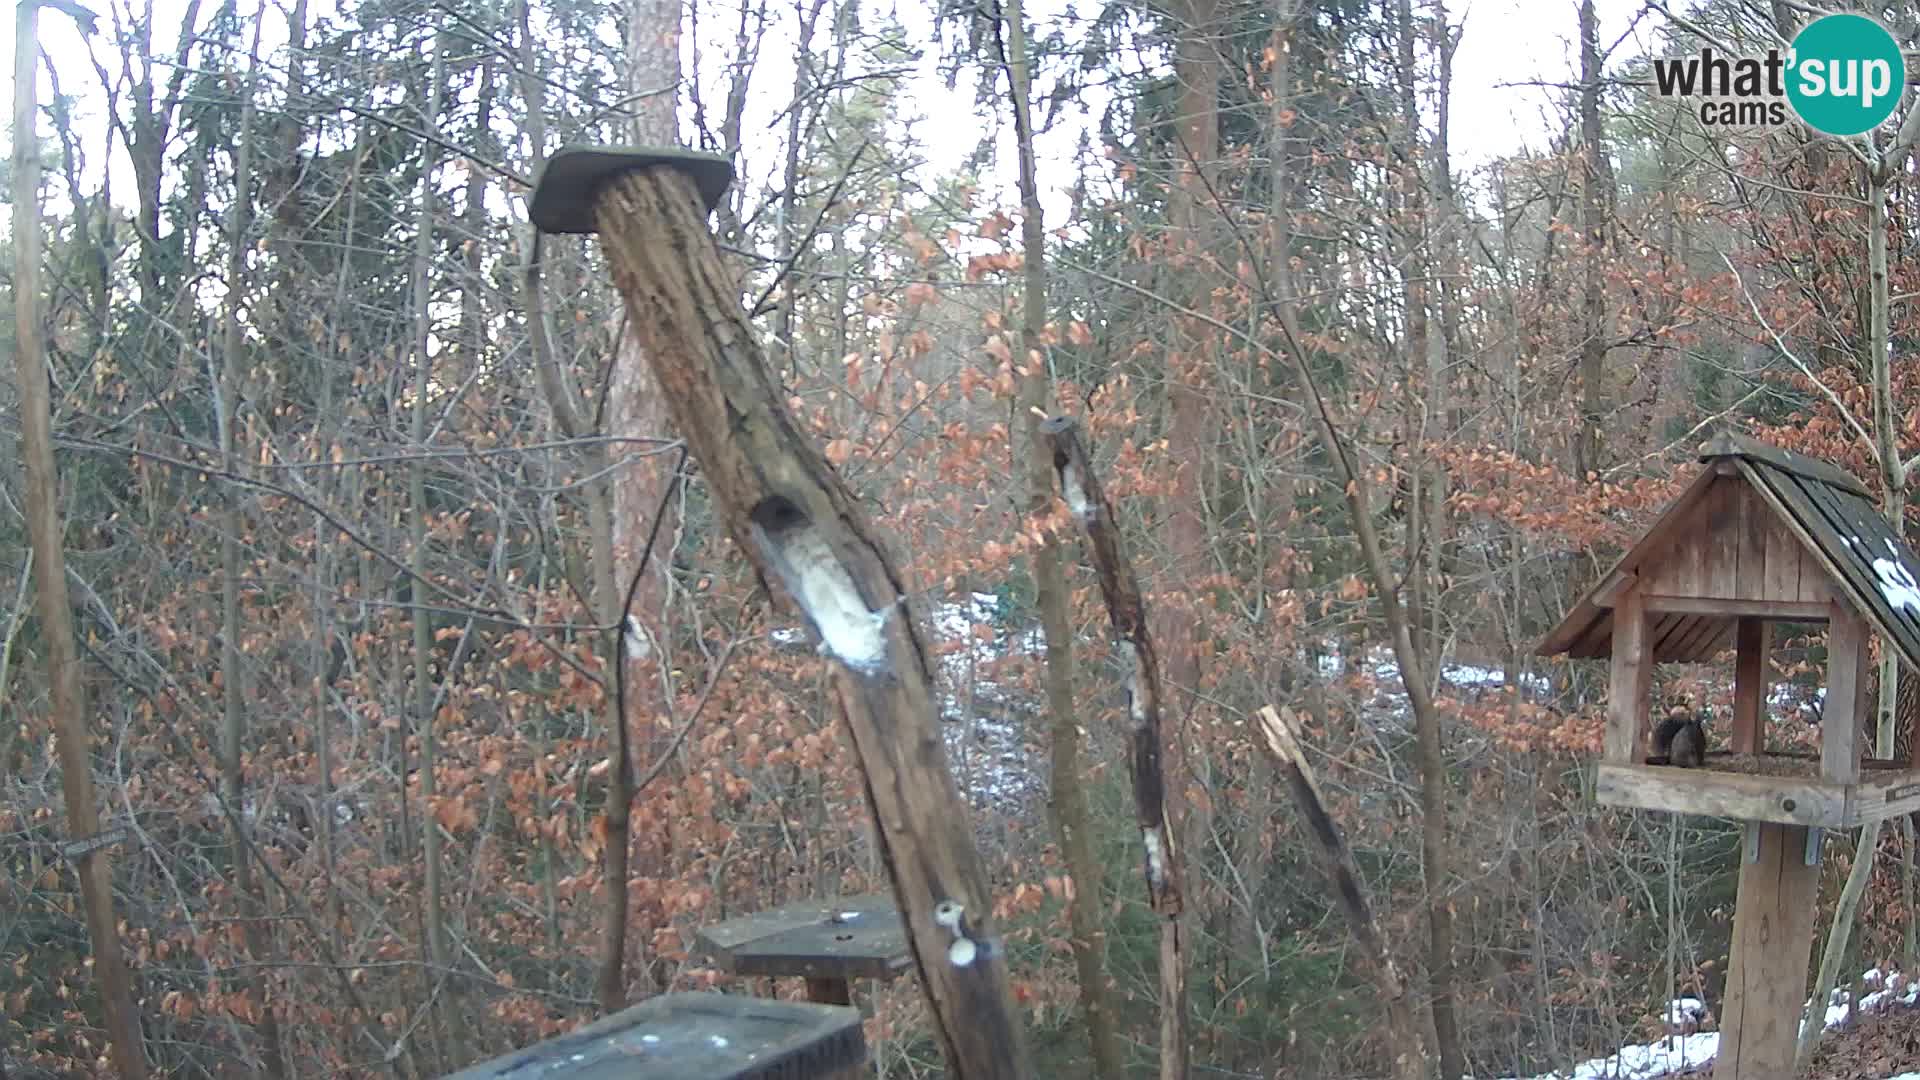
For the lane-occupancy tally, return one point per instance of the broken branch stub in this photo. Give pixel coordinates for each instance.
(1403, 1034)
(782, 502)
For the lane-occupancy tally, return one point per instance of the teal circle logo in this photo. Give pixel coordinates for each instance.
(1846, 74)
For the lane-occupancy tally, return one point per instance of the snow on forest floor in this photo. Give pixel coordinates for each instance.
(1678, 1053)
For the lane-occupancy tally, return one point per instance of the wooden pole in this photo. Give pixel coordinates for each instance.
(784, 504)
(1632, 675)
(93, 862)
(1748, 735)
(1773, 920)
(1772, 940)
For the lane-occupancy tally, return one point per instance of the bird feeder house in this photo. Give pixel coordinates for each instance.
(1761, 536)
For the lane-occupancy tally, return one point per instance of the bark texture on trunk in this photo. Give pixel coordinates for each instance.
(783, 503)
(1161, 851)
(95, 866)
(1071, 818)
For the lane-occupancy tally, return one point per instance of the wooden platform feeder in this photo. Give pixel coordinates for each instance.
(1762, 535)
(711, 1036)
(829, 943)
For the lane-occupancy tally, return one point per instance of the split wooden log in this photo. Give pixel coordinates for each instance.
(1127, 614)
(1403, 1033)
(783, 503)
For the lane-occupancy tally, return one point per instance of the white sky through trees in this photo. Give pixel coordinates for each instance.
(1515, 59)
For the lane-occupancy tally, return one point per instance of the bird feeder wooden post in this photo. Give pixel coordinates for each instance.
(1762, 535)
(785, 506)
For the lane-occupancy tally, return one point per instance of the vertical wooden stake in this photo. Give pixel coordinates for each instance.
(1772, 940)
(1846, 686)
(1632, 678)
(1749, 686)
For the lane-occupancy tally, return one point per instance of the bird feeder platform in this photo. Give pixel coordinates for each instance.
(827, 942)
(1762, 535)
(712, 1036)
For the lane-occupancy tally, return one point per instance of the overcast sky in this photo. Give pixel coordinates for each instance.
(1508, 49)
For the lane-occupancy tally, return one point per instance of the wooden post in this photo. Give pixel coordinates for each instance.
(786, 507)
(1748, 732)
(1773, 916)
(1847, 664)
(1632, 679)
(1767, 974)
(830, 991)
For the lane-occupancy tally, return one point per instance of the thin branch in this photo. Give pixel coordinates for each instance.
(1781, 344)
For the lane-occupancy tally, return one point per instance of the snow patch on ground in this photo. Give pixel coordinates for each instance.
(1678, 1052)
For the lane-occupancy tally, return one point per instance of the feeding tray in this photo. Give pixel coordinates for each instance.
(1782, 788)
(852, 937)
(709, 1036)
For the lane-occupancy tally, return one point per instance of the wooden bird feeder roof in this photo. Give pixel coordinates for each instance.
(1760, 532)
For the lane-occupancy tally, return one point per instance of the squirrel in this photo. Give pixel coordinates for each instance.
(1680, 740)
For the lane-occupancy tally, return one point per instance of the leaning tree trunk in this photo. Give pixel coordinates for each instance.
(775, 493)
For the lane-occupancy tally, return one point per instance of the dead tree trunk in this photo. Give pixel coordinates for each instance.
(1126, 611)
(783, 503)
(1403, 1030)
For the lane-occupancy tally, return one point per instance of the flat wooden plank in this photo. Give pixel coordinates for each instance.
(1718, 540)
(1841, 715)
(1632, 676)
(1887, 793)
(1597, 642)
(744, 929)
(1733, 444)
(854, 937)
(1785, 610)
(1750, 534)
(1783, 556)
(1697, 645)
(1710, 793)
(1751, 638)
(1664, 631)
(716, 1036)
(1772, 939)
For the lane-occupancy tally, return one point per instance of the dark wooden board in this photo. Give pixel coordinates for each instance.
(851, 937)
(679, 1036)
